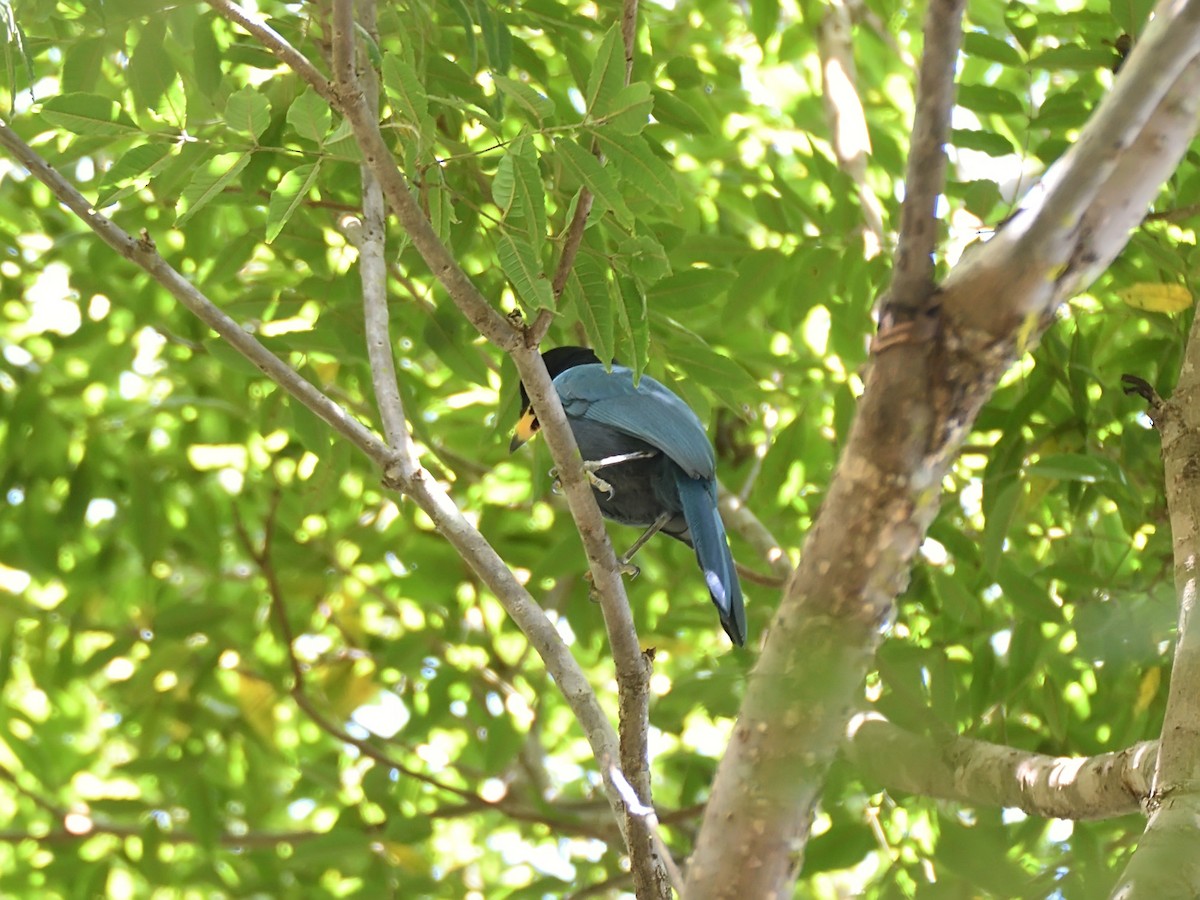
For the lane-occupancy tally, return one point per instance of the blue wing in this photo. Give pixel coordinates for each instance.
(648, 411)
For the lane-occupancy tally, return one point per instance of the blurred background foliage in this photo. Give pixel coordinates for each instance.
(162, 502)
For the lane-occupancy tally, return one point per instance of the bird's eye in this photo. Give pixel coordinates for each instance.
(535, 426)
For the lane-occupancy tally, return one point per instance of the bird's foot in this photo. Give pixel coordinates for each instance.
(592, 466)
(625, 568)
(593, 479)
(598, 483)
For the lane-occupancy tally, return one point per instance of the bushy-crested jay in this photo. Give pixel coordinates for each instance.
(650, 464)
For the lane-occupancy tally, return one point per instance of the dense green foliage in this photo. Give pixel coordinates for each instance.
(160, 494)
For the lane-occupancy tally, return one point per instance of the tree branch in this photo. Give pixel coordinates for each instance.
(371, 243)
(277, 45)
(918, 405)
(913, 279)
(985, 774)
(1158, 868)
(1071, 226)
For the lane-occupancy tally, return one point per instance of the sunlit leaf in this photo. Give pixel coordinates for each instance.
(285, 199)
(87, 114)
(207, 184)
(1164, 298)
(248, 111)
(310, 116)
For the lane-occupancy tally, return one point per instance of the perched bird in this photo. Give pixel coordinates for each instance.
(650, 464)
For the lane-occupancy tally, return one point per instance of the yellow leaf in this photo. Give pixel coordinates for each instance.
(1164, 298)
(1147, 690)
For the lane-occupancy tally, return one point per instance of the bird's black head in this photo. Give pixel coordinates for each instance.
(557, 360)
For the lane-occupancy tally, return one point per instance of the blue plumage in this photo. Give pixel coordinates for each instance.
(672, 485)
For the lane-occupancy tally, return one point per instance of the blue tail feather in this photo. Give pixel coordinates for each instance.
(698, 497)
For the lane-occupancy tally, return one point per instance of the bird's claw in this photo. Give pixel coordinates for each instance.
(623, 567)
(593, 479)
(599, 483)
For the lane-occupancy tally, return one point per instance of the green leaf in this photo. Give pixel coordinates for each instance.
(407, 96)
(209, 182)
(537, 105)
(1075, 467)
(520, 260)
(286, 198)
(1131, 15)
(206, 56)
(1030, 599)
(671, 109)
(134, 162)
(999, 522)
(990, 142)
(88, 114)
(1073, 56)
(720, 374)
(151, 70)
(644, 257)
(441, 208)
(981, 44)
(764, 19)
(310, 116)
(1023, 24)
(589, 291)
(518, 189)
(496, 37)
(448, 336)
(644, 173)
(635, 324)
(248, 111)
(688, 289)
(608, 71)
(310, 429)
(595, 177)
(81, 67)
(628, 111)
(468, 25)
(984, 98)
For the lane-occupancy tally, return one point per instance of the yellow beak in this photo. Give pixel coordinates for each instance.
(527, 427)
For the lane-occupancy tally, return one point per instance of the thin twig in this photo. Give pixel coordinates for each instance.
(277, 45)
